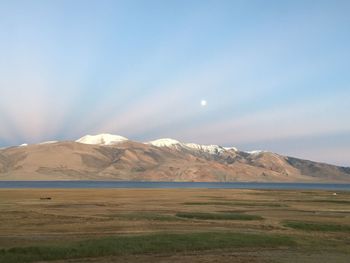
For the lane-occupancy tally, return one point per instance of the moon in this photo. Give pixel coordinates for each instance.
(203, 103)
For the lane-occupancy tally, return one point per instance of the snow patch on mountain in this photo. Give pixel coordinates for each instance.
(102, 139)
(255, 152)
(23, 145)
(48, 142)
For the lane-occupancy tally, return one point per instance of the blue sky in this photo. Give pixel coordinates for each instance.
(275, 74)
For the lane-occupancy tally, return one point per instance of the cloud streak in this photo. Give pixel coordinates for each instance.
(268, 76)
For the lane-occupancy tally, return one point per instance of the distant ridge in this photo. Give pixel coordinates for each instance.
(114, 157)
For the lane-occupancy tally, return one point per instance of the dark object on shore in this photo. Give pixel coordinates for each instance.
(45, 198)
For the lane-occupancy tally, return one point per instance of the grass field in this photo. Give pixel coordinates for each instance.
(311, 226)
(140, 244)
(173, 225)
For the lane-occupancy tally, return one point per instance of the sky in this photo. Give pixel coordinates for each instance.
(275, 75)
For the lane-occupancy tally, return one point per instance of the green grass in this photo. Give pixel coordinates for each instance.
(313, 226)
(147, 216)
(156, 243)
(218, 216)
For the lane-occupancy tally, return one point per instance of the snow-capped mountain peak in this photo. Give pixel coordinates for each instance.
(212, 149)
(102, 139)
(165, 142)
(231, 149)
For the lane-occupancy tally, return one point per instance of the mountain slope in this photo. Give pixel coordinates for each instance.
(110, 157)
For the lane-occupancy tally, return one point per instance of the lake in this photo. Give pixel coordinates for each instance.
(130, 184)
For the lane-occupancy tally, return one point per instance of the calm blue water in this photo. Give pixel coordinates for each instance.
(116, 184)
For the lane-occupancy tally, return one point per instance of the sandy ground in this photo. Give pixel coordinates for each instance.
(28, 218)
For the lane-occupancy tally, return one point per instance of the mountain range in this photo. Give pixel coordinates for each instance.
(113, 157)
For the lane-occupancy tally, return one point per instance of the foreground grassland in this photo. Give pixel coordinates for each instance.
(155, 243)
(173, 225)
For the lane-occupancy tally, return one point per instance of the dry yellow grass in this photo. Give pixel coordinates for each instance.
(28, 218)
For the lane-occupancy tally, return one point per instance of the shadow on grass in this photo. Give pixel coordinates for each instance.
(147, 216)
(219, 216)
(342, 202)
(156, 243)
(227, 203)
